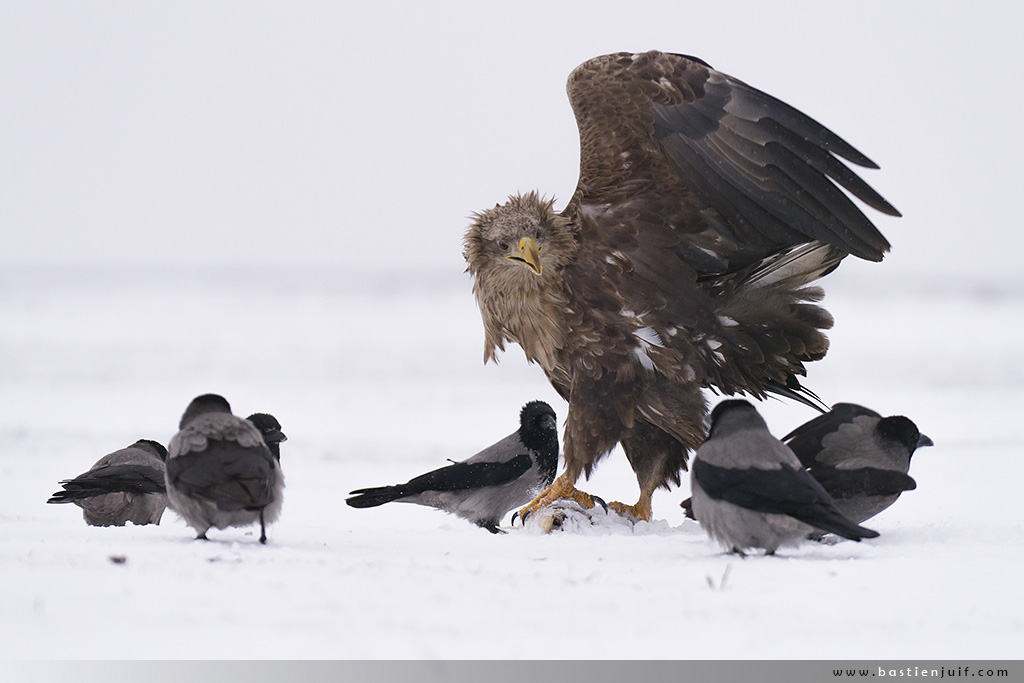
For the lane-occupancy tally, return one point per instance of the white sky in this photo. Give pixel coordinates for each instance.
(329, 134)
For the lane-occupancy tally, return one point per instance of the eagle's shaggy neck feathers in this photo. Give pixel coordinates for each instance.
(517, 304)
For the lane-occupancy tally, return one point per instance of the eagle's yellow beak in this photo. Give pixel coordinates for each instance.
(528, 254)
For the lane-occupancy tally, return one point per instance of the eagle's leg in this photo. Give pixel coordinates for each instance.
(640, 511)
(657, 457)
(592, 428)
(564, 487)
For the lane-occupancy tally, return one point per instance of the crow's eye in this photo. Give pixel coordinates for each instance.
(503, 245)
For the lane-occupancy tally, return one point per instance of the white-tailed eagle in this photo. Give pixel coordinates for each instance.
(704, 209)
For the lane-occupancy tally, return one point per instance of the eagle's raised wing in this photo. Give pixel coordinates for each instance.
(690, 172)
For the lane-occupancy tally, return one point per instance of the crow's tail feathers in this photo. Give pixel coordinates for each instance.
(372, 497)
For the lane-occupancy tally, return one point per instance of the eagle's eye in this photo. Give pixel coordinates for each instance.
(503, 245)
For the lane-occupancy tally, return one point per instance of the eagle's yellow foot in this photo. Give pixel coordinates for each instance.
(640, 512)
(561, 488)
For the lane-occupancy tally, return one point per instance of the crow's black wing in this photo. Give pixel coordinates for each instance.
(783, 490)
(111, 479)
(864, 481)
(462, 476)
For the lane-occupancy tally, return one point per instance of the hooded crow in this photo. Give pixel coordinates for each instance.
(270, 430)
(128, 485)
(859, 457)
(483, 488)
(750, 490)
(124, 486)
(220, 470)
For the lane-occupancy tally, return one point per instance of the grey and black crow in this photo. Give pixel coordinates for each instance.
(129, 485)
(750, 490)
(220, 470)
(483, 488)
(859, 457)
(124, 486)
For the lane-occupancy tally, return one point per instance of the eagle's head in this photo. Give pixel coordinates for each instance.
(518, 241)
(515, 253)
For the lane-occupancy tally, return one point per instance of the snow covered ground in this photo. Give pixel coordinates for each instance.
(316, 163)
(376, 377)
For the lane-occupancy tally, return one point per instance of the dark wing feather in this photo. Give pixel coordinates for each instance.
(784, 491)
(865, 481)
(462, 476)
(111, 479)
(726, 173)
(806, 440)
(231, 476)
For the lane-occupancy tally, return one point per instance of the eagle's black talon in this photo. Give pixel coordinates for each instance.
(600, 501)
(490, 526)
